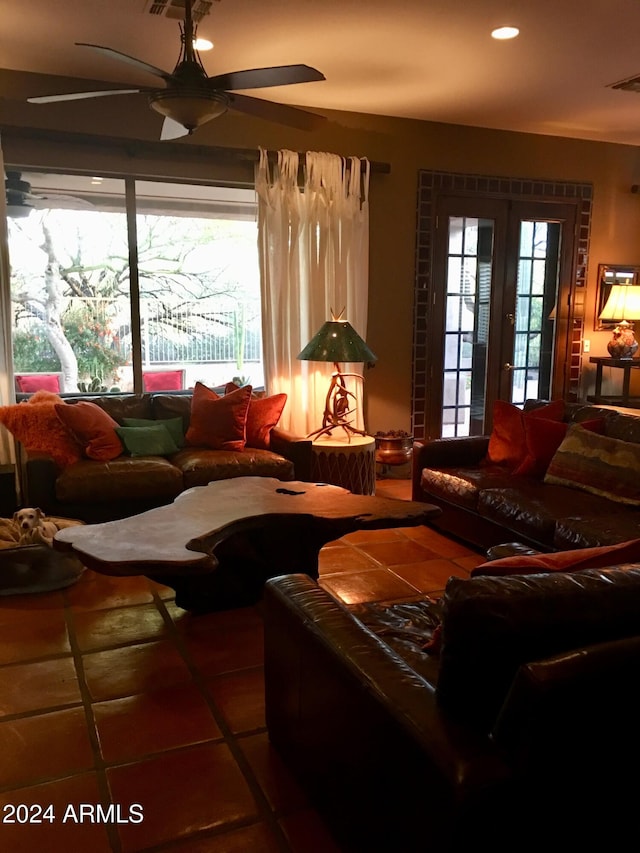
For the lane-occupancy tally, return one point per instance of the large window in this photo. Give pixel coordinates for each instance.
(121, 285)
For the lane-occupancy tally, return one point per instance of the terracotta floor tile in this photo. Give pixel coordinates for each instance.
(43, 747)
(258, 838)
(38, 685)
(161, 719)
(471, 562)
(60, 836)
(344, 558)
(307, 833)
(133, 669)
(161, 590)
(219, 622)
(100, 592)
(240, 698)
(374, 585)
(429, 575)
(393, 553)
(101, 629)
(279, 786)
(393, 487)
(20, 608)
(181, 792)
(435, 541)
(387, 534)
(222, 642)
(30, 638)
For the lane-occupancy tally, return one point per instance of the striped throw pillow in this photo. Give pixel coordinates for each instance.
(596, 463)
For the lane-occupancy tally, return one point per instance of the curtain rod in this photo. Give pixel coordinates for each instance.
(136, 149)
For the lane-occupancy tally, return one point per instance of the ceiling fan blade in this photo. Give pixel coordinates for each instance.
(130, 60)
(172, 129)
(279, 113)
(79, 96)
(261, 78)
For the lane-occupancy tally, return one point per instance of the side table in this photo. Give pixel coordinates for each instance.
(347, 463)
(623, 399)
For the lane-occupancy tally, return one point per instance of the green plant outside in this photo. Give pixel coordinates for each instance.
(92, 341)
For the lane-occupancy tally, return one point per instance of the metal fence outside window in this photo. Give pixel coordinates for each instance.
(210, 330)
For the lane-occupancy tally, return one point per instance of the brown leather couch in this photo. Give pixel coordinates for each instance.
(517, 731)
(485, 505)
(103, 491)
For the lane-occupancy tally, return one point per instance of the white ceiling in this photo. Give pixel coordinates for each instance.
(422, 59)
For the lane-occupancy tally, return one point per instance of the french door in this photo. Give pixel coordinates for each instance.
(498, 320)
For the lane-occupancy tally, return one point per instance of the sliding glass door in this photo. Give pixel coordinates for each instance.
(123, 284)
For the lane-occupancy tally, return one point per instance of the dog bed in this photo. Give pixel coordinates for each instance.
(34, 568)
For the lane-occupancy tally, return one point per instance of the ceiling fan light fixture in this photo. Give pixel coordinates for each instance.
(202, 44)
(191, 110)
(505, 33)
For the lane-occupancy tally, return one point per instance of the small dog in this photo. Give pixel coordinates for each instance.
(33, 528)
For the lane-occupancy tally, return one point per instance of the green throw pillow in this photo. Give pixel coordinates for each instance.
(173, 425)
(155, 440)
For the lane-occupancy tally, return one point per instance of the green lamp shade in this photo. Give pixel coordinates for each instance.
(337, 341)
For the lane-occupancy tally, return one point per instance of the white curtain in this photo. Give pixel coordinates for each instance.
(7, 392)
(314, 259)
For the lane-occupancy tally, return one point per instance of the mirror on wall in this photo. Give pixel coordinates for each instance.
(608, 275)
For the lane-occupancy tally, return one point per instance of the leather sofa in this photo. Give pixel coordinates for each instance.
(95, 491)
(485, 504)
(516, 731)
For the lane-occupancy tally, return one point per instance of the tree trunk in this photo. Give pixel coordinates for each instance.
(53, 310)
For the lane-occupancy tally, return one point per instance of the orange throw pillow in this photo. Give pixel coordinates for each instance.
(574, 560)
(37, 427)
(264, 414)
(218, 422)
(507, 443)
(93, 429)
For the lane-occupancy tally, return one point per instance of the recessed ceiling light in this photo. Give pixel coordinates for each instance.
(202, 44)
(503, 33)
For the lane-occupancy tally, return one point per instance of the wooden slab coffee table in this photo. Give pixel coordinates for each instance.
(217, 544)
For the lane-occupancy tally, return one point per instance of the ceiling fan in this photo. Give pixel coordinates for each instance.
(190, 98)
(21, 201)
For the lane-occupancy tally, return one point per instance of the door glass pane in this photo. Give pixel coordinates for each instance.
(536, 295)
(469, 261)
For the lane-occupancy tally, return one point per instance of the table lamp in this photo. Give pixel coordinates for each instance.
(622, 307)
(338, 341)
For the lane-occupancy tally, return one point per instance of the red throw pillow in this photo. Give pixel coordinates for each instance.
(163, 380)
(543, 437)
(38, 382)
(93, 429)
(218, 422)
(563, 561)
(507, 443)
(37, 427)
(263, 415)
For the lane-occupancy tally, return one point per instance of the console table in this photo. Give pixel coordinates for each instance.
(624, 399)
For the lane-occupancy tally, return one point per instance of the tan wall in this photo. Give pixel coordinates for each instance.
(406, 145)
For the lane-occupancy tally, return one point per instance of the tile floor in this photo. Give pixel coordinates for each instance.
(112, 696)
